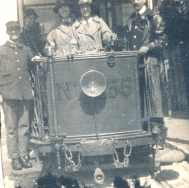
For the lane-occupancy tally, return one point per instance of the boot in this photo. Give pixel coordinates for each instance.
(16, 164)
(25, 162)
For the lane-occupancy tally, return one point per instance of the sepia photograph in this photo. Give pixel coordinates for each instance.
(94, 94)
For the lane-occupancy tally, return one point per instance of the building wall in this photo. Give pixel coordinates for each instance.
(8, 12)
(127, 10)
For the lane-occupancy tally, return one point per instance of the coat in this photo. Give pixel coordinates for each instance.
(14, 74)
(35, 39)
(149, 33)
(93, 36)
(62, 38)
(153, 34)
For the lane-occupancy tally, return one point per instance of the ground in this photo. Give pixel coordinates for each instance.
(178, 134)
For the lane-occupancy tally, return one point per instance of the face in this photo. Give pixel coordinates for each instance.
(138, 4)
(64, 11)
(14, 33)
(29, 21)
(85, 10)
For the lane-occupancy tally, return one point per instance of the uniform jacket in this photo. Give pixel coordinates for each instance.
(14, 74)
(61, 38)
(152, 29)
(153, 35)
(91, 37)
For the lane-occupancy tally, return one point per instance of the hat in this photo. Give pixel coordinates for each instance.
(61, 3)
(12, 24)
(30, 12)
(81, 2)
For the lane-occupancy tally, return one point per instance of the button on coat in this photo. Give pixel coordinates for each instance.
(14, 74)
(149, 33)
(61, 38)
(93, 35)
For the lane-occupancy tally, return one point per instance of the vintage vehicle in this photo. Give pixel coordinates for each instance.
(93, 115)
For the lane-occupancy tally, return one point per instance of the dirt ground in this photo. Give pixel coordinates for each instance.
(178, 131)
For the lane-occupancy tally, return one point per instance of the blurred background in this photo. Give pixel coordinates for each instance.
(8, 11)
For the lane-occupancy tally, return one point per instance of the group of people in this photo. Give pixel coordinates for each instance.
(88, 33)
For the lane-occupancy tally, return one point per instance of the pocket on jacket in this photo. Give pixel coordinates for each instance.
(5, 66)
(5, 78)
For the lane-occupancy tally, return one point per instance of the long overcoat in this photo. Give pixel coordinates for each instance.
(153, 37)
(61, 38)
(93, 36)
(34, 38)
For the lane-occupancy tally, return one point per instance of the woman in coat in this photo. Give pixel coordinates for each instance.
(62, 37)
(91, 31)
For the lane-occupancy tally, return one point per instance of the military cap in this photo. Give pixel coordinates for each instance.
(12, 24)
(61, 3)
(81, 2)
(30, 12)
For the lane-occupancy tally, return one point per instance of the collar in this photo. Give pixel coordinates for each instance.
(66, 21)
(88, 21)
(148, 13)
(13, 45)
(11, 41)
(142, 10)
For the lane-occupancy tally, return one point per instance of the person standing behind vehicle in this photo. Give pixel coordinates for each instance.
(16, 93)
(90, 30)
(33, 33)
(62, 37)
(145, 32)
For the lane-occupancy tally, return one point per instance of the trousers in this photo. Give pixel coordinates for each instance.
(17, 126)
(153, 88)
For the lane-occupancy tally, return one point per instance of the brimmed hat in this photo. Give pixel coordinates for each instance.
(12, 24)
(61, 3)
(30, 12)
(81, 2)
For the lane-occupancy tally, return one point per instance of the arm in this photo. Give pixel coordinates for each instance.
(107, 34)
(30, 55)
(42, 32)
(50, 44)
(159, 37)
(125, 45)
(50, 39)
(127, 31)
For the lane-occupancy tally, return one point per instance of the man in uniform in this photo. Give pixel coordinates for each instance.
(90, 30)
(145, 32)
(16, 93)
(62, 37)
